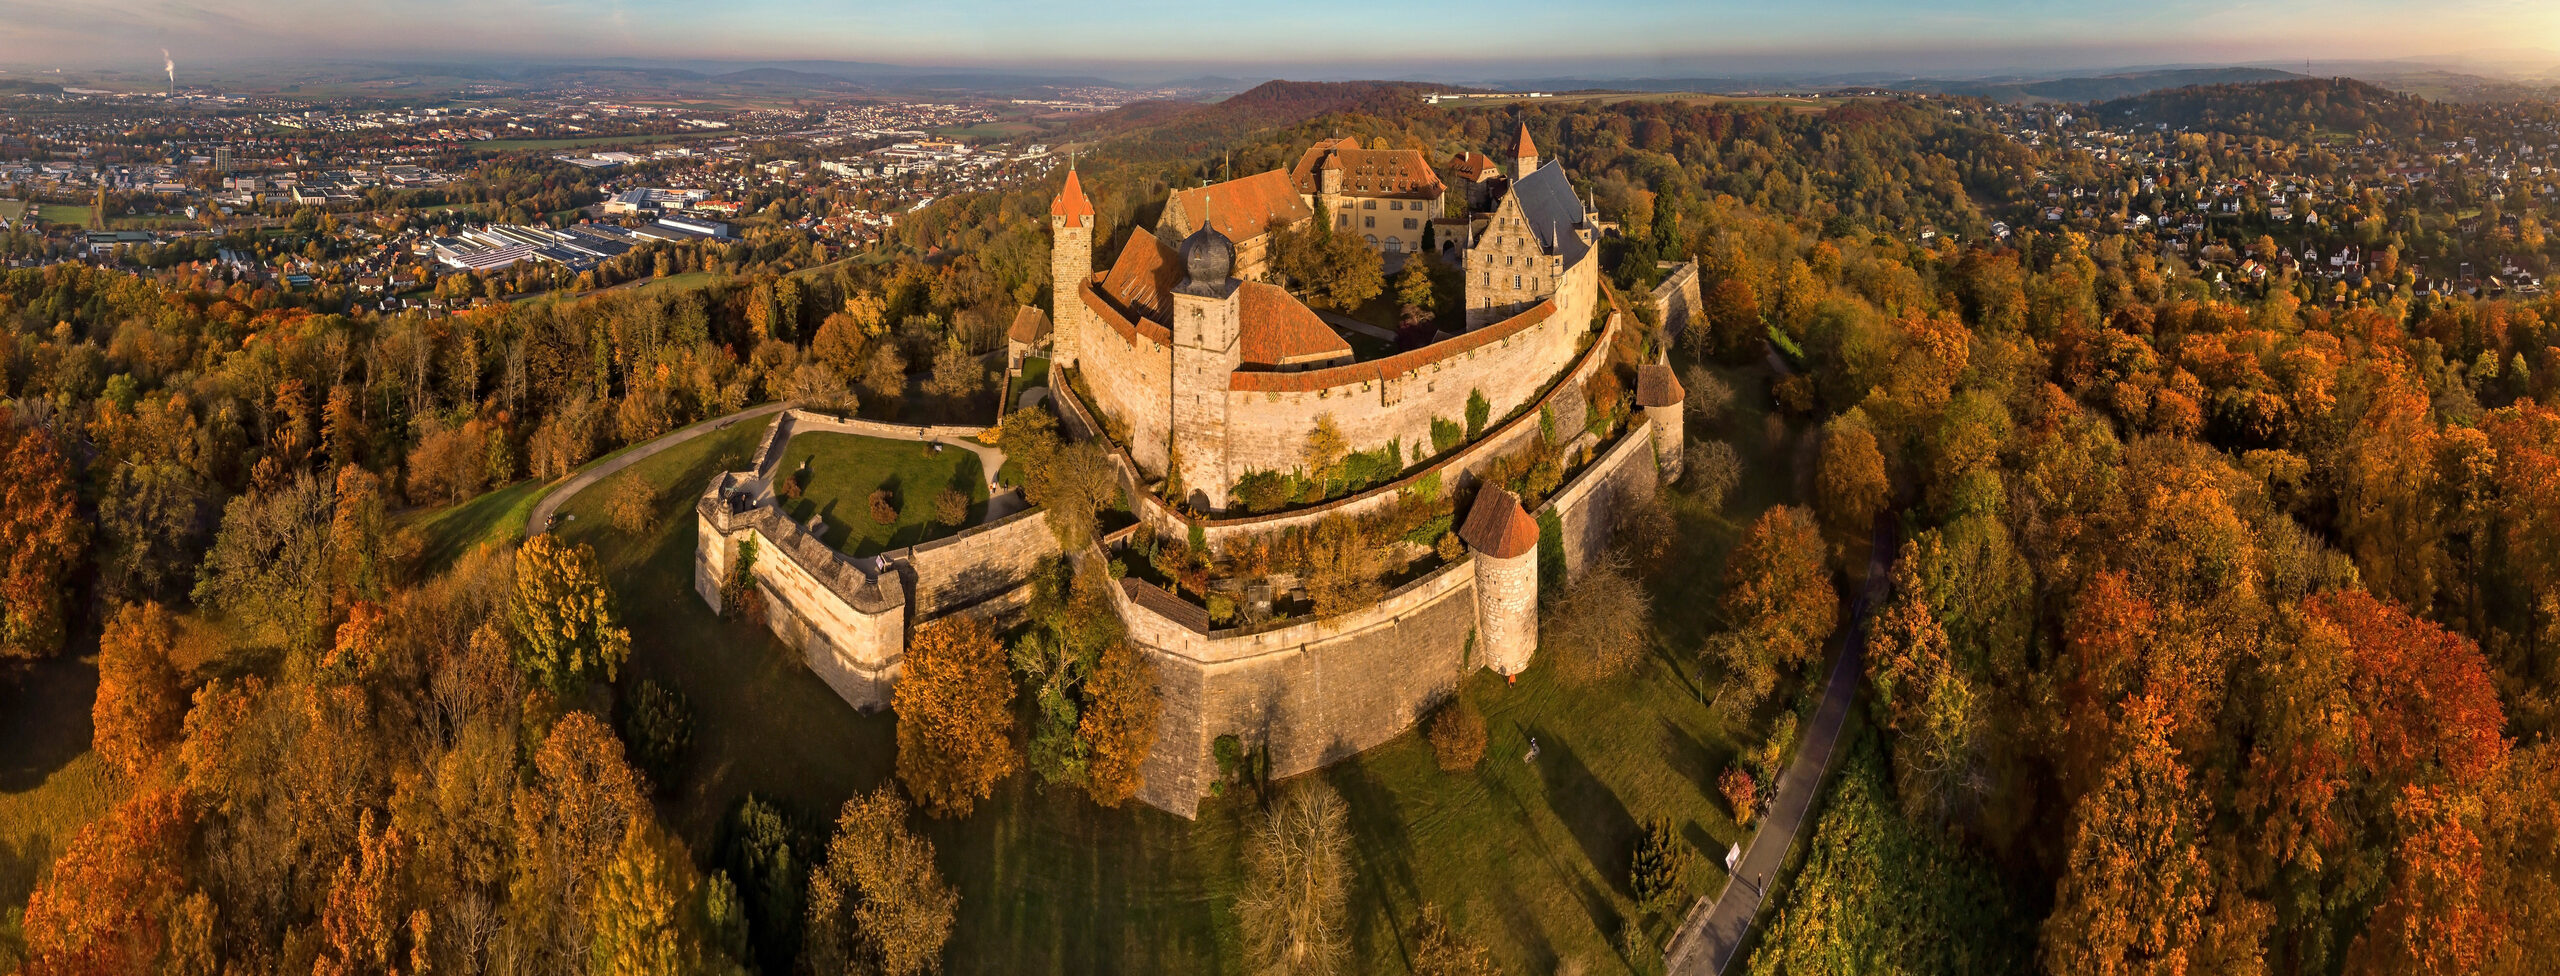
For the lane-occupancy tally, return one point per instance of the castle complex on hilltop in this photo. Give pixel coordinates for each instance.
(1197, 372)
(1217, 374)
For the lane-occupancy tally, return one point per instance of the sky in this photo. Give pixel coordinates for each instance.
(1482, 38)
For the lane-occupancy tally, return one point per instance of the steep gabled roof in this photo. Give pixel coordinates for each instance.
(1527, 148)
(1071, 201)
(1552, 211)
(1474, 167)
(1030, 325)
(1367, 172)
(1142, 278)
(1242, 209)
(1279, 330)
(1497, 526)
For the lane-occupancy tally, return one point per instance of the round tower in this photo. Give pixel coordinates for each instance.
(1070, 263)
(1504, 540)
(1658, 392)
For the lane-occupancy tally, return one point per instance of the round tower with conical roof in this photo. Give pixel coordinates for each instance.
(1504, 540)
(1659, 394)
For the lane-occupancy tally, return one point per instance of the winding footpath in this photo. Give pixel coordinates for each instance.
(1716, 926)
(540, 520)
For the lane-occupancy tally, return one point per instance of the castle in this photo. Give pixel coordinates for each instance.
(1197, 372)
(1218, 374)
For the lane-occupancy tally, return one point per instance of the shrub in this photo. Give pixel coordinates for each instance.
(950, 507)
(658, 723)
(1599, 629)
(1458, 736)
(1479, 410)
(792, 484)
(1708, 396)
(1741, 792)
(884, 507)
(1658, 873)
(1446, 434)
(1265, 491)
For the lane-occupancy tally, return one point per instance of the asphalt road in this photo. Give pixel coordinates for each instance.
(1716, 925)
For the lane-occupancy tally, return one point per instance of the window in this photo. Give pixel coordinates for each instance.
(1488, 279)
(1515, 281)
(1509, 261)
(1368, 204)
(1395, 204)
(1368, 221)
(1410, 223)
(1394, 245)
(1345, 221)
(1373, 240)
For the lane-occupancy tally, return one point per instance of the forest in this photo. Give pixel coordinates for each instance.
(2221, 633)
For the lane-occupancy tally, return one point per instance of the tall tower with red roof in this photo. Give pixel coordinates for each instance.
(1524, 157)
(1070, 263)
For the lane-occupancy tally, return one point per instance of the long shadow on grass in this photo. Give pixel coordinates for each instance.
(1382, 847)
(1592, 811)
(1595, 903)
(44, 720)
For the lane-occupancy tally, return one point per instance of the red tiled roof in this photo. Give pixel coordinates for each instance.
(1474, 167)
(1656, 387)
(1497, 526)
(1278, 330)
(1392, 366)
(1071, 201)
(1367, 172)
(1527, 147)
(1143, 277)
(1128, 328)
(1029, 325)
(1243, 208)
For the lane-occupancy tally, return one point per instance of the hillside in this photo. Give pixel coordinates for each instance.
(2274, 108)
(2098, 87)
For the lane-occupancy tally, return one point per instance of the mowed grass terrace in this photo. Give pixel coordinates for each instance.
(844, 469)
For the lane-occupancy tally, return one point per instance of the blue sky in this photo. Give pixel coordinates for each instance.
(1628, 37)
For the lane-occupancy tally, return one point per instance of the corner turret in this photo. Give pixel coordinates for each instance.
(1505, 542)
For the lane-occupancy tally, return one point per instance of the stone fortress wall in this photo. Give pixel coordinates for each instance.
(1316, 691)
(849, 617)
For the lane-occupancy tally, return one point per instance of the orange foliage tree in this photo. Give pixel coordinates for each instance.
(140, 703)
(41, 538)
(107, 906)
(955, 717)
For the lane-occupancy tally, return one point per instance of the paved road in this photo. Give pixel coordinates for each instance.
(1716, 925)
(540, 520)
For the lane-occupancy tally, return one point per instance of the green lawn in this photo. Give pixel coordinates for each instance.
(844, 469)
(495, 516)
(50, 783)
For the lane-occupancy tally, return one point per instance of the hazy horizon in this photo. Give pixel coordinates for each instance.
(1155, 40)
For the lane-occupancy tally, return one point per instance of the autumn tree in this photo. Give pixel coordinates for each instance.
(1297, 884)
(1924, 696)
(567, 628)
(1851, 474)
(270, 564)
(877, 903)
(955, 719)
(2134, 889)
(1119, 724)
(1778, 598)
(140, 702)
(106, 906)
(632, 504)
(1071, 483)
(42, 536)
(1601, 625)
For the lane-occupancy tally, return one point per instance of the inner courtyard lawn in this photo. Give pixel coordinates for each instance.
(844, 469)
(1528, 859)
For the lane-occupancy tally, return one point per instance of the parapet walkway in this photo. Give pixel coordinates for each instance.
(1715, 926)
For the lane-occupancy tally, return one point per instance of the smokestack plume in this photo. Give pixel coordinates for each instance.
(169, 65)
